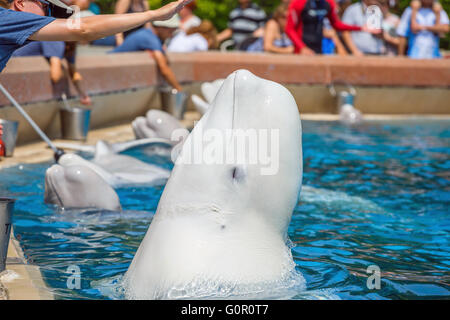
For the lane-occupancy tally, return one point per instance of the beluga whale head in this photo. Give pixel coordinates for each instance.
(221, 224)
(78, 187)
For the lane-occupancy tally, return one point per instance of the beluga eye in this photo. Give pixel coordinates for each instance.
(238, 173)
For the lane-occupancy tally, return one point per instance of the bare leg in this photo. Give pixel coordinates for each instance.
(164, 68)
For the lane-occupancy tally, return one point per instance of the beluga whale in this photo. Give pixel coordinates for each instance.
(209, 91)
(116, 169)
(156, 124)
(220, 229)
(79, 187)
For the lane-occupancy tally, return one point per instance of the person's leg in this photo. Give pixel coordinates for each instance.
(56, 70)
(164, 68)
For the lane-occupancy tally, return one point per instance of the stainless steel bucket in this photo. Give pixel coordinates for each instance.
(174, 102)
(9, 137)
(6, 211)
(345, 97)
(75, 123)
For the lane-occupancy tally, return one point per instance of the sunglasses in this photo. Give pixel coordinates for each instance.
(45, 6)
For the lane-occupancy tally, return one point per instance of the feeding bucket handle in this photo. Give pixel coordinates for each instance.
(332, 89)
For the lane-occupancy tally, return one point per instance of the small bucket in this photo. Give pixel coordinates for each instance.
(75, 123)
(174, 102)
(9, 136)
(6, 211)
(344, 98)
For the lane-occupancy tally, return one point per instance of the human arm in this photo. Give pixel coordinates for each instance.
(390, 39)
(121, 7)
(270, 36)
(346, 36)
(148, 25)
(77, 79)
(401, 46)
(164, 68)
(441, 28)
(100, 26)
(337, 24)
(415, 6)
(294, 27)
(331, 34)
(224, 35)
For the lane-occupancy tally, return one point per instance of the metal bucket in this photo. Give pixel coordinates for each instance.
(9, 137)
(6, 211)
(345, 97)
(75, 123)
(174, 102)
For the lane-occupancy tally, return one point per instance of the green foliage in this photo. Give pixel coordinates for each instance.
(218, 10)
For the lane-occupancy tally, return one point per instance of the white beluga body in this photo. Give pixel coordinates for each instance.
(209, 92)
(118, 170)
(220, 228)
(156, 124)
(349, 115)
(78, 187)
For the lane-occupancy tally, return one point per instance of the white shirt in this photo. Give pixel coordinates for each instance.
(187, 43)
(355, 14)
(193, 21)
(424, 44)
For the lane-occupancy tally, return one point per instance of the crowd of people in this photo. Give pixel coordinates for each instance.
(306, 27)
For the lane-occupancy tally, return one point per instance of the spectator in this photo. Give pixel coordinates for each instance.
(55, 52)
(244, 22)
(130, 6)
(84, 6)
(151, 41)
(199, 38)
(94, 8)
(421, 24)
(305, 24)
(343, 5)
(187, 17)
(363, 42)
(390, 23)
(27, 20)
(331, 43)
(275, 39)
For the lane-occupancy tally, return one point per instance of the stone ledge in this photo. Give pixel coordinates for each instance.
(28, 78)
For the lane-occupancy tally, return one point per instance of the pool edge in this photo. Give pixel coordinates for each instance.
(27, 282)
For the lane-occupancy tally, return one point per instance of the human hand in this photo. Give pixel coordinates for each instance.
(86, 101)
(374, 31)
(169, 10)
(358, 53)
(305, 51)
(416, 28)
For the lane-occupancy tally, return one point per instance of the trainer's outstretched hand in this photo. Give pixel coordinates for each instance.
(169, 10)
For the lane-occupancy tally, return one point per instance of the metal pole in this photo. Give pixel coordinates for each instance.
(58, 152)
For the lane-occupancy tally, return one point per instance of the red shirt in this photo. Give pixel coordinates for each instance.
(305, 23)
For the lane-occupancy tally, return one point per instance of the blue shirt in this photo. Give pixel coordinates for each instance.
(15, 29)
(140, 40)
(47, 49)
(424, 44)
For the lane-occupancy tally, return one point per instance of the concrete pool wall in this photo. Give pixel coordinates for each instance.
(124, 86)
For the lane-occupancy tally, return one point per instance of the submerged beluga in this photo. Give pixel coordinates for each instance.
(116, 169)
(220, 228)
(209, 91)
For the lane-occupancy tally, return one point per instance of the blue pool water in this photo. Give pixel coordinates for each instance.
(377, 194)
